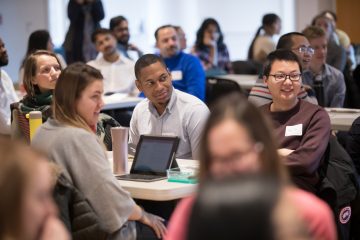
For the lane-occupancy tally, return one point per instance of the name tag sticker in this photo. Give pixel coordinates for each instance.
(295, 130)
(176, 75)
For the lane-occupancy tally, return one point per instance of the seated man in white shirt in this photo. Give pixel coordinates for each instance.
(7, 93)
(166, 111)
(118, 71)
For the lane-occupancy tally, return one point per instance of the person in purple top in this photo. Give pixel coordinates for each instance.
(302, 128)
(186, 70)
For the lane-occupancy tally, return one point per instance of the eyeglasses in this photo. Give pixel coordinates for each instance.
(304, 49)
(280, 77)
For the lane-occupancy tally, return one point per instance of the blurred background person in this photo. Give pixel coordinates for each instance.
(247, 207)
(27, 209)
(85, 17)
(336, 54)
(211, 49)
(263, 43)
(120, 27)
(182, 37)
(38, 40)
(237, 141)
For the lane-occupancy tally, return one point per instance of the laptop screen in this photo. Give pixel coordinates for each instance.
(154, 154)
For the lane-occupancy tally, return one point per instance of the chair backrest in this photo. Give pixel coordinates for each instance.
(217, 87)
(20, 120)
(246, 67)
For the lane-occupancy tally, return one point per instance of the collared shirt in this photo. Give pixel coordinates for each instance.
(7, 96)
(333, 83)
(119, 76)
(184, 116)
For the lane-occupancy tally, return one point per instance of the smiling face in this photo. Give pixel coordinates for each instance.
(305, 57)
(155, 81)
(47, 72)
(284, 93)
(167, 42)
(105, 43)
(90, 102)
(232, 151)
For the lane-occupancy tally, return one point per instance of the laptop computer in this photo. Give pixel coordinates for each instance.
(153, 156)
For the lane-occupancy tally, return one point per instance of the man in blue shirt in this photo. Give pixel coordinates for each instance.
(186, 70)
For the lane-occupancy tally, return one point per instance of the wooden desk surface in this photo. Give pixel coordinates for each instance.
(159, 190)
(342, 118)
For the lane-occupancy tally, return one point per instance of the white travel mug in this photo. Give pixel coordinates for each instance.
(119, 137)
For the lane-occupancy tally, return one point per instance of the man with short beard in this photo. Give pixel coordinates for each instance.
(186, 70)
(7, 93)
(120, 28)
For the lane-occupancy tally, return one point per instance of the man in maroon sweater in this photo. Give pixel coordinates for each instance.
(302, 128)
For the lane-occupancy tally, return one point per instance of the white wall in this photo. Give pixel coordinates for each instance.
(19, 19)
(239, 20)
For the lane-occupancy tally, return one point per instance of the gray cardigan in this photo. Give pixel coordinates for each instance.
(83, 161)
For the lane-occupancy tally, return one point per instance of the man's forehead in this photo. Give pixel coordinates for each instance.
(167, 31)
(153, 70)
(299, 41)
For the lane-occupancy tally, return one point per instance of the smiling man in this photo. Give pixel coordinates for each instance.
(118, 71)
(166, 111)
(298, 44)
(186, 70)
(301, 128)
(7, 92)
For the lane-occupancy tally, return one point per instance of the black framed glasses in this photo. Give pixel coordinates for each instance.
(280, 77)
(304, 49)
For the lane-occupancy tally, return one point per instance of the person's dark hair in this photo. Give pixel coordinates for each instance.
(267, 20)
(38, 40)
(100, 31)
(116, 21)
(235, 208)
(312, 32)
(199, 44)
(145, 61)
(156, 34)
(69, 87)
(280, 55)
(285, 41)
(235, 106)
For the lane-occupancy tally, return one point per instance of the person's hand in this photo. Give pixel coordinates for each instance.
(284, 152)
(209, 41)
(155, 222)
(54, 229)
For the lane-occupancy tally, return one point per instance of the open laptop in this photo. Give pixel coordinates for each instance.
(153, 156)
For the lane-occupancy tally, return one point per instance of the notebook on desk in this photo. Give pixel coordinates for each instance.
(153, 156)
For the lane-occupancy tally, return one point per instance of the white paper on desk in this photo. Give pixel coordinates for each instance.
(115, 98)
(295, 130)
(342, 110)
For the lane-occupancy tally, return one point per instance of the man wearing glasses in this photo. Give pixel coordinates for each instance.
(301, 128)
(298, 44)
(327, 81)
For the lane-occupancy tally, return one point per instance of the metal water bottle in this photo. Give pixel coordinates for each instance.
(119, 137)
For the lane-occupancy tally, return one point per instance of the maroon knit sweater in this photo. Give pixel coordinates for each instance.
(310, 147)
